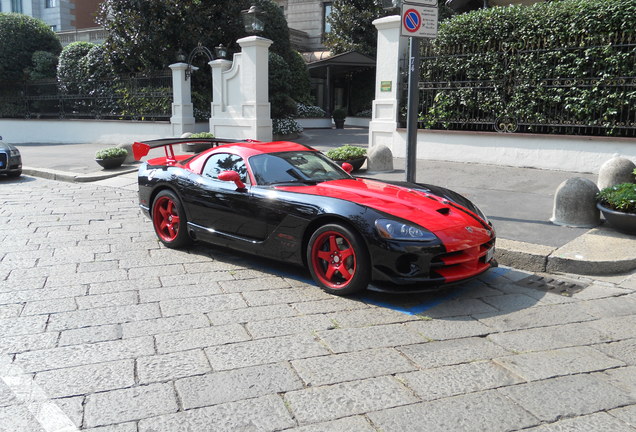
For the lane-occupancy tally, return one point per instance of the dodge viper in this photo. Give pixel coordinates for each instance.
(289, 202)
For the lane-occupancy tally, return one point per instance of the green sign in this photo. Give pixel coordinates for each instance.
(386, 86)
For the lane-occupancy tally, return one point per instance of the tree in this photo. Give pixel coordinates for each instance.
(352, 25)
(352, 28)
(148, 34)
(20, 37)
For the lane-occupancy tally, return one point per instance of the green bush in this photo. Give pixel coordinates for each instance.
(346, 152)
(44, 65)
(202, 135)
(554, 62)
(20, 37)
(300, 83)
(71, 73)
(282, 105)
(339, 114)
(111, 153)
(621, 197)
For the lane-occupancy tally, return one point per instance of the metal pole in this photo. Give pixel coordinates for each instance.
(412, 110)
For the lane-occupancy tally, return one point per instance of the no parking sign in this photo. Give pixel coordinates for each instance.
(419, 19)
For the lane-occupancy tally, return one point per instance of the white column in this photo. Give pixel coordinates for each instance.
(255, 85)
(182, 119)
(391, 49)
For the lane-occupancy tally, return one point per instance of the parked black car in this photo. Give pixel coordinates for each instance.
(10, 160)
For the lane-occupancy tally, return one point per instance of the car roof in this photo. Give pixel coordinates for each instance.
(248, 149)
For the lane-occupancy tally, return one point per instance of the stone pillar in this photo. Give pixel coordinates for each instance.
(182, 119)
(218, 100)
(391, 51)
(240, 107)
(255, 85)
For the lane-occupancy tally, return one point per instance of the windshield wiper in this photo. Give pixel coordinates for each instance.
(293, 182)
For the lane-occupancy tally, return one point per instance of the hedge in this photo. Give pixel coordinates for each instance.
(569, 62)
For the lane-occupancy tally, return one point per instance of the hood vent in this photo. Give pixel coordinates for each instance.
(444, 210)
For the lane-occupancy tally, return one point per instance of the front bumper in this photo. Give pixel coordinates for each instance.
(10, 164)
(414, 266)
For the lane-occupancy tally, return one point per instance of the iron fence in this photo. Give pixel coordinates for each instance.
(138, 97)
(576, 87)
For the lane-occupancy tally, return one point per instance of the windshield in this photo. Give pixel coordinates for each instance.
(294, 167)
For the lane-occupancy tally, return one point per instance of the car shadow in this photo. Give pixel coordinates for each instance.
(493, 293)
(4, 179)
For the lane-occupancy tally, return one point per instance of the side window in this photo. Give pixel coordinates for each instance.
(220, 162)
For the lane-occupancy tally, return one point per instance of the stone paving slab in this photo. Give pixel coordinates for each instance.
(573, 395)
(473, 412)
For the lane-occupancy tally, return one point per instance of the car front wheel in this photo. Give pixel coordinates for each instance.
(338, 260)
(169, 220)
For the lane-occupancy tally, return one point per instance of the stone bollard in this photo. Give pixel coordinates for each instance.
(379, 159)
(130, 158)
(575, 204)
(616, 171)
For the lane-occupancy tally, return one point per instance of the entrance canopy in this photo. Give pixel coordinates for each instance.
(330, 75)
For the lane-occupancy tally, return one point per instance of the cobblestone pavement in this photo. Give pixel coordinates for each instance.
(102, 329)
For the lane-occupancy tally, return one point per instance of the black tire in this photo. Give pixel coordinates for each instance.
(169, 220)
(338, 260)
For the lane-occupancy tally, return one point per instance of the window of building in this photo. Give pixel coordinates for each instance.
(326, 11)
(16, 6)
(54, 28)
(51, 3)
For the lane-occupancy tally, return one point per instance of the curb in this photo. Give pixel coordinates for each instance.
(66, 176)
(600, 251)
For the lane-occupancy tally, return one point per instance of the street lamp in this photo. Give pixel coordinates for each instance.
(391, 4)
(220, 51)
(253, 20)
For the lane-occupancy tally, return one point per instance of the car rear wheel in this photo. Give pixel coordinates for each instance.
(338, 260)
(169, 220)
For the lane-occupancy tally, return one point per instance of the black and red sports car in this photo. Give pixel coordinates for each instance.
(289, 202)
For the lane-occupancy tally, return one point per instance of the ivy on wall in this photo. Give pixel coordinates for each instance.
(565, 66)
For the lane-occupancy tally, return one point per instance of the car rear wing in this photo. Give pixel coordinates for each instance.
(141, 149)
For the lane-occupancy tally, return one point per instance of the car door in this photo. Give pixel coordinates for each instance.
(221, 206)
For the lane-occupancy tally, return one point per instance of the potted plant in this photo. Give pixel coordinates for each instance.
(111, 157)
(350, 154)
(618, 206)
(339, 115)
(198, 147)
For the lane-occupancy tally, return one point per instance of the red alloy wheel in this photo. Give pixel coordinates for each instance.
(165, 217)
(333, 259)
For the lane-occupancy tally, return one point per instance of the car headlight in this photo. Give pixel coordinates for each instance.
(481, 214)
(14, 153)
(395, 230)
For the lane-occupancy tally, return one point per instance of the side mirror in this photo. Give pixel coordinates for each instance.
(347, 167)
(232, 176)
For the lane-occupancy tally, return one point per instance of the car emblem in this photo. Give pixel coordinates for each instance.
(469, 229)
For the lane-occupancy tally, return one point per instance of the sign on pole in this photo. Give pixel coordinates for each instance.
(419, 21)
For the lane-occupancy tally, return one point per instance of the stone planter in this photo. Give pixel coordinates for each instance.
(623, 222)
(339, 123)
(111, 162)
(355, 163)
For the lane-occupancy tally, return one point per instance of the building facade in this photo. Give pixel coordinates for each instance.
(60, 15)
